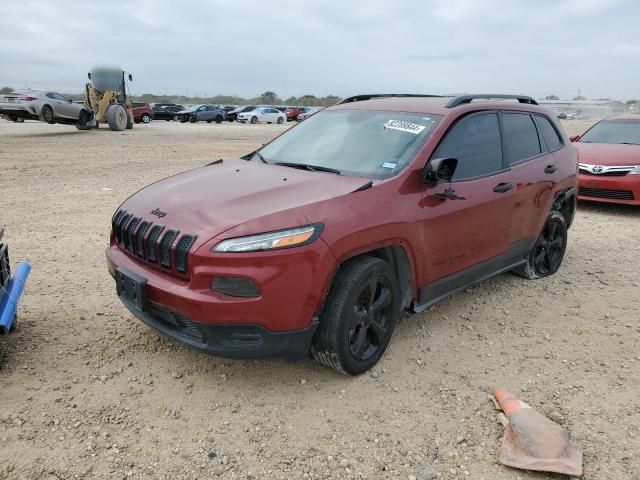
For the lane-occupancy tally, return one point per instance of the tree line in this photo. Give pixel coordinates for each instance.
(266, 98)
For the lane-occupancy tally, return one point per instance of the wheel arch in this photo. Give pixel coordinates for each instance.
(396, 254)
(565, 202)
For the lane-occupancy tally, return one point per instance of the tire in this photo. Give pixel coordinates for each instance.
(83, 119)
(145, 118)
(218, 119)
(117, 118)
(254, 120)
(280, 120)
(547, 254)
(47, 114)
(354, 332)
(193, 119)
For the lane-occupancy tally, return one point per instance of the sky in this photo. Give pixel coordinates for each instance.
(327, 47)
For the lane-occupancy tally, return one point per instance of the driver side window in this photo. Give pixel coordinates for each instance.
(475, 142)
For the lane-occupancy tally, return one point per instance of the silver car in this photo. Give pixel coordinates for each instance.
(306, 114)
(50, 107)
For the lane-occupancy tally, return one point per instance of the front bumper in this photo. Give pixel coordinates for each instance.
(227, 340)
(598, 188)
(280, 322)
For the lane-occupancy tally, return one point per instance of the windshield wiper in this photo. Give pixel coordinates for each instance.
(259, 155)
(629, 143)
(311, 168)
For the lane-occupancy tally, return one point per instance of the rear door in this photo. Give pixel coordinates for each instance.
(469, 236)
(533, 166)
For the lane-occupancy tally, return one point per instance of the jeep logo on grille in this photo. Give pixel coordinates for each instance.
(158, 213)
(597, 169)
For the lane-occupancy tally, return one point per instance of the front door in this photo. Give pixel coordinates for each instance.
(468, 237)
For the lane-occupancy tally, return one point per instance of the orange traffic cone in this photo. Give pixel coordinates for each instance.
(533, 442)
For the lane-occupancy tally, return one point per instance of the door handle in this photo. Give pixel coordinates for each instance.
(503, 187)
(550, 169)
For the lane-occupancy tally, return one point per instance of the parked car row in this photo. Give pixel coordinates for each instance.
(53, 107)
(231, 113)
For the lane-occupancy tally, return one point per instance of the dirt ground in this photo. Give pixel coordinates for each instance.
(87, 391)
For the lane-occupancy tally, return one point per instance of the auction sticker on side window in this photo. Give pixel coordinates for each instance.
(404, 126)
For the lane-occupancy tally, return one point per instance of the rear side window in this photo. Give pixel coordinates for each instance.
(549, 134)
(475, 143)
(520, 137)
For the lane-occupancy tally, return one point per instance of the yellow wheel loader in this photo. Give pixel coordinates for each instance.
(106, 96)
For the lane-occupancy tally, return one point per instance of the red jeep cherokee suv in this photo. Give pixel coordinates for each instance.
(319, 240)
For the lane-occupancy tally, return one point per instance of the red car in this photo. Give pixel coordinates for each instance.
(142, 112)
(609, 155)
(293, 112)
(323, 237)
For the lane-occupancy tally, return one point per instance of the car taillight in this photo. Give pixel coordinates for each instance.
(28, 99)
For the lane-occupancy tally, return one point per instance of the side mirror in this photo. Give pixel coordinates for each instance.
(130, 78)
(574, 138)
(439, 170)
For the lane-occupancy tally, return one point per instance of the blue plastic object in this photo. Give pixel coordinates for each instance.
(9, 299)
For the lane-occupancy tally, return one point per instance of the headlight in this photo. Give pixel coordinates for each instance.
(292, 237)
(635, 171)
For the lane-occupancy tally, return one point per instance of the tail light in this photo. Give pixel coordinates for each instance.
(28, 99)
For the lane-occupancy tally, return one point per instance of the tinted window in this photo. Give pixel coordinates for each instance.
(520, 137)
(475, 142)
(549, 133)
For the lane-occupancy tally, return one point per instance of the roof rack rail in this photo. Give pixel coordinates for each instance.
(462, 99)
(360, 98)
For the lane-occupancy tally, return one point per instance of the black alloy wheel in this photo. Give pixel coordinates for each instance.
(549, 249)
(358, 317)
(370, 316)
(547, 254)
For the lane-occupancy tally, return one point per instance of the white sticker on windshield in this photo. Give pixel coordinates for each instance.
(404, 126)
(390, 165)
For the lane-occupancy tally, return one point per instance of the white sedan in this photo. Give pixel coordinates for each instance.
(262, 115)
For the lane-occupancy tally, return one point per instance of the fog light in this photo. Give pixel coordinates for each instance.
(235, 286)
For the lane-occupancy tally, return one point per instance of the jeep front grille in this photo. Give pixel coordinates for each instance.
(182, 249)
(165, 247)
(152, 242)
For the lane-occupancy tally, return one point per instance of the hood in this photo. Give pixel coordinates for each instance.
(608, 153)
(211, 199)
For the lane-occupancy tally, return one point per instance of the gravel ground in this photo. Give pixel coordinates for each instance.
(87, 391)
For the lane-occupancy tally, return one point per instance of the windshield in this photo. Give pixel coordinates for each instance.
(371, 144)
(614, 131)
